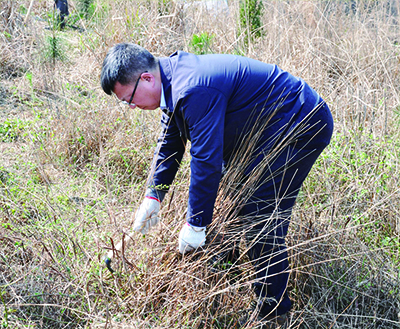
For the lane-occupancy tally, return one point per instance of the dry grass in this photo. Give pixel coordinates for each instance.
(74, 162)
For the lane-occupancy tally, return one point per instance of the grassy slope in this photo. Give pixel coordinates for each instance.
(73, 164)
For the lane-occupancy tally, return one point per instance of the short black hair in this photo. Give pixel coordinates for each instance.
(123, 63)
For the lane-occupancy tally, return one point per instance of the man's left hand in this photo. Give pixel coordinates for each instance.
(191, 237)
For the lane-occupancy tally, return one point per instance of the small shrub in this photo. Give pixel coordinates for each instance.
(53, 48)
(201, 44)
(250, 14)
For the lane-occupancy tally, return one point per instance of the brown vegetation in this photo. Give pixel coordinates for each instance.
(73, 164)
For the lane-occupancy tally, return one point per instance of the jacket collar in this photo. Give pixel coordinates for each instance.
(166, 79)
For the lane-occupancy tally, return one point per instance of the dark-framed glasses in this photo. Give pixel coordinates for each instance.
(134, 90)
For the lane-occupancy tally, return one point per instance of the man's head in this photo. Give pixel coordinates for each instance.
(132, 73)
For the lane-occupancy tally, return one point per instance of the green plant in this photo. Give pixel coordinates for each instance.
(54, 20)
(86, 8)
(54, 48)
(250, 14)
(29, 77)
(12, 129)
(201, 43)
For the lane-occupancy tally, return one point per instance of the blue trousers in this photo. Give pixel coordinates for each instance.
(267, 213)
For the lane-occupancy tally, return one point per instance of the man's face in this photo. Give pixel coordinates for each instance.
(146, 96)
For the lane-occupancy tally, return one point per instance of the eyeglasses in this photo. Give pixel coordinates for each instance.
(134, 90)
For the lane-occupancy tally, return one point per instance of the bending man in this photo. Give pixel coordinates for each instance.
(214, 101)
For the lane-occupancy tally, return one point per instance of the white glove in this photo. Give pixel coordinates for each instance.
(147, 215)
(191, 237)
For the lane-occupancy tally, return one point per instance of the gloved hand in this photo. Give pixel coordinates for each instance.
(147, 215)
(191, 237)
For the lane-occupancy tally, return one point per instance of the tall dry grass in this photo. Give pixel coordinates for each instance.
(73, 166)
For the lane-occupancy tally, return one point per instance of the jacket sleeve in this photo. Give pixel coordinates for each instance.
(204, 112)
(167, 158)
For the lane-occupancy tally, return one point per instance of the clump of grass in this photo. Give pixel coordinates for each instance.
(349, 286)
(13, 41)
(114, 142)
(85, 8)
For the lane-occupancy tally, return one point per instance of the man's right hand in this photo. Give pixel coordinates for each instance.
(147, 215)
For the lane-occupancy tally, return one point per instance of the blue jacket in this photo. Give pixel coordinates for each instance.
(212, 101)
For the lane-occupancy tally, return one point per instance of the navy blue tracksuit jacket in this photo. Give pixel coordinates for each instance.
(215, 101)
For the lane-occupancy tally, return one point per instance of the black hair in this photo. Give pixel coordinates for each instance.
(123, 63)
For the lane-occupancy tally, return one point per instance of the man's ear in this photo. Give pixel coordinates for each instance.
(148, 76)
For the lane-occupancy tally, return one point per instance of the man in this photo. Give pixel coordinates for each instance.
(215, 101)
